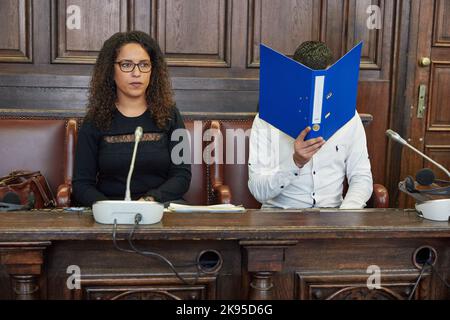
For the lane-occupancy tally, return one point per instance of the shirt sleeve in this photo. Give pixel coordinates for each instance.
(179, 176)
(84, 180)
(269, 174)
(358, 170)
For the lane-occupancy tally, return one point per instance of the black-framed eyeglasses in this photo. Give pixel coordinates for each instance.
(128, 66)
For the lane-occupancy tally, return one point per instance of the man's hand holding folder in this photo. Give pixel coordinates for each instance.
(304, 150)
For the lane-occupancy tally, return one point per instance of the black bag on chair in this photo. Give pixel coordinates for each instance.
(23, 190)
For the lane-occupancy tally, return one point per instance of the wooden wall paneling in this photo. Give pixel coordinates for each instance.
(16, 41)
(441, 36)
(195, 33)
(422, 32)
(373, 98)
(99, 21)
(358, 31)
(353, 286)
(334, 26)
(439, 152)
(399, 111)
(427, 40)
(301, 22)
(439, 97)
(142, 16)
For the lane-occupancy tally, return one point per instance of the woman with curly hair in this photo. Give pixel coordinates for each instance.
(130, 87)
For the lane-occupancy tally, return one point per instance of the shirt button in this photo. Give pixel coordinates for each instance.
(296, 174)
(314, 172)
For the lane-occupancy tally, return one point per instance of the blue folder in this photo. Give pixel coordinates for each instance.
(293, 96)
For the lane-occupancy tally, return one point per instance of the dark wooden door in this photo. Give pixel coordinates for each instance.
(428, 126)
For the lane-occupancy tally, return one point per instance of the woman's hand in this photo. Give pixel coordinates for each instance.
(146, 198)
(304, 150)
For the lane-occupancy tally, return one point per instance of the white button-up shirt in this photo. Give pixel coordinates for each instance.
(275, 180)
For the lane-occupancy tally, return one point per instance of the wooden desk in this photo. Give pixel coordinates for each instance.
(257, 255)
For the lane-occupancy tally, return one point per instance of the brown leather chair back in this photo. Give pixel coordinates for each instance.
(35, 144)
(235, 171)
(198, 190)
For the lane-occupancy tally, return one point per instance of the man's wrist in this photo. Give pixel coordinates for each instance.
(296, 162)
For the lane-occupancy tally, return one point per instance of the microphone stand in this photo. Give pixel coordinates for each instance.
(436, 210)
(138, 135)
(396, 137)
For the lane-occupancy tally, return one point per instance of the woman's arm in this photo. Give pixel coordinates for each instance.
(84, 180)
(179, 176)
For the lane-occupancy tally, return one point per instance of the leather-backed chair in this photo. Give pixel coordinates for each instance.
(197, 193)
(45, 145)
(229, 181)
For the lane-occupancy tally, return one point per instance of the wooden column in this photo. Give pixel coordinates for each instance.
(261, 259)
(24, 264)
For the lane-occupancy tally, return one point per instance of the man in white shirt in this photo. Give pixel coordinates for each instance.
(293, 173)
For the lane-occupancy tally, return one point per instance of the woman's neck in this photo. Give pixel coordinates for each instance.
(131, 107)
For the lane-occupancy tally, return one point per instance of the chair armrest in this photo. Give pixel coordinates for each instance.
(65, 190)
(380, 196)
(70, 145)
(222, 194)
(63, 195)
(221, 191)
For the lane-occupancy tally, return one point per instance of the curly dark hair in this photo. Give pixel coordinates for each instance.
(103, 94)
(314, 54)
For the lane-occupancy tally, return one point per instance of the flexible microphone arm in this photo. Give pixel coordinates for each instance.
(396, 137)
(137, 137)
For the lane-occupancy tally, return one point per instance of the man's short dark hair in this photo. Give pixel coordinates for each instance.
(314, 54)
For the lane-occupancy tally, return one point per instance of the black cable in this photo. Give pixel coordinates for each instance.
(418, 281)
(137, 219)
(440, 276)
(159, 256)
(114, 239)
(193, 264)
(428, 264)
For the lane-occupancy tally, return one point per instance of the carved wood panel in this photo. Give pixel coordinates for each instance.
(79, 27)
(338, 285)
(441, 154)
(195, 32)
(300, 22)
(358, 30)
(339, 23)
(442, 24)
(439, 113)
(149, 287)
(15, 30)
(334, 26)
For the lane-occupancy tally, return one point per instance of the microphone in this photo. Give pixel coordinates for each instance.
(426, 177)
(137, 137)
(396, 137)
(127, 211)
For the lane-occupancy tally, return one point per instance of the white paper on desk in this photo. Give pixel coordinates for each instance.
(217, 208)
